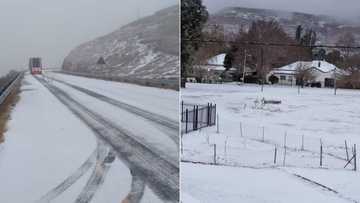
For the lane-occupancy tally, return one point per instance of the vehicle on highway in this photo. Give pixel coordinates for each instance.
(35, 65)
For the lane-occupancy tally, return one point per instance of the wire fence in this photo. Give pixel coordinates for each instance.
(258, 146)
(195, 117)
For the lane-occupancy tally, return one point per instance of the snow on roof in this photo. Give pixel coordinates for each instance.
(322, 66)
(219, 68)
(217, 60)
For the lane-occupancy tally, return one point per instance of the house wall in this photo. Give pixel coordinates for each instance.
(284, 79)
(320, 77)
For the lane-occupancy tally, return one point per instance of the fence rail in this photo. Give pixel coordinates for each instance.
(194, 117)
(9, 87)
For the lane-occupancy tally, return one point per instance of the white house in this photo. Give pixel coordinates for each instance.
(322, 71)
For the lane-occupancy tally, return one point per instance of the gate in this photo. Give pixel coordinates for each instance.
(194, 117)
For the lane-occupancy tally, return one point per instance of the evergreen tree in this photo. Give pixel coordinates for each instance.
(101, 61)
(193, 18)
(298, 34)
(309, 38)
(230, 57)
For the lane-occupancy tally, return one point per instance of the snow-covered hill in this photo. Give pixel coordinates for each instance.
(328, 28)
(146, 48)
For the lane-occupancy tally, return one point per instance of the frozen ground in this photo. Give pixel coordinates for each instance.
(51, 155)
(212, 184)
(250, 132)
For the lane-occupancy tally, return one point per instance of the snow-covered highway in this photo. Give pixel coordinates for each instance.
(130, 145)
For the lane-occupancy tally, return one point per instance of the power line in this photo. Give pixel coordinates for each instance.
(253, 43)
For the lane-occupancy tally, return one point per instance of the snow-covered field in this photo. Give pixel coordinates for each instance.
(46, 143)
(249, 132)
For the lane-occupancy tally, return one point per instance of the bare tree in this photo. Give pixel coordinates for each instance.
(304, 74)
(265, 58)
(351, 78)
(346, 39)
(208, 50)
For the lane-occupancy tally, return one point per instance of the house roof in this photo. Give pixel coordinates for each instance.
(217, 60)
(321, 66)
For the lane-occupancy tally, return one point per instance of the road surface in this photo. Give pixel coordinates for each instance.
(139, 137)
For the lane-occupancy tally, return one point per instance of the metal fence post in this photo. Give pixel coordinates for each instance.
(182, 111)
(197, 117)
(214, 114)
(275, 155)
(302, 143)
(208, 114)
(186, 120)
(354, 157)
(321, 153)
(217, 123)
(284, 149)
(194, 119)
(241, 130)
(346, 150)
(210, 110)
(215, 154)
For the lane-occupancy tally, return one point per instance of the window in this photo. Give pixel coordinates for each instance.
(282, 77)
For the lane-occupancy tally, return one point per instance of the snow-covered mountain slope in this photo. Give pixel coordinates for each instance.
(328, 28)
(146, 48)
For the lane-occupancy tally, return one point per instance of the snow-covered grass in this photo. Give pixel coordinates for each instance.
(250, 132)
(212, 184)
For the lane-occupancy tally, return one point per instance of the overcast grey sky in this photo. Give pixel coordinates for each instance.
(51, 28)
(341, 8)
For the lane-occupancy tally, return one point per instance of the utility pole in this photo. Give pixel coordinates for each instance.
(334, 81)
(244, 67)
(262, 69)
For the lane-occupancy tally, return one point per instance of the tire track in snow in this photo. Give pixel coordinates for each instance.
(171, 127)
(104, 159)
(159, 172)
(70, 180)
(137, 189)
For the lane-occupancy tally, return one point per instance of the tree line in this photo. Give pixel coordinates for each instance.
(262, 59)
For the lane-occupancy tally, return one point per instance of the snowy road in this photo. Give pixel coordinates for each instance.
(146, 157)
(165, 123)
(160, 173)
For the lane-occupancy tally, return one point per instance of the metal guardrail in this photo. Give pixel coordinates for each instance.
(10, 87)
(161, 83)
